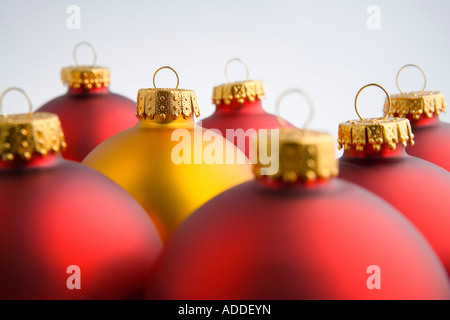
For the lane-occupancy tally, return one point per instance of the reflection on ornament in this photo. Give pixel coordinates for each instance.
(299, 233)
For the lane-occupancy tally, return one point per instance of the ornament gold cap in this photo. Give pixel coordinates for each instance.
(165, 102)
(301, 155)
(374, 131)
(26, 135)
(416, 103)
(241, 90)
(88, 76)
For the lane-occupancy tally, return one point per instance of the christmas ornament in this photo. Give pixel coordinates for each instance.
(238, 107)
(89, 111)
(66, 231)
(374, 157)
(169, 164)
(422, 109)
(297, 232)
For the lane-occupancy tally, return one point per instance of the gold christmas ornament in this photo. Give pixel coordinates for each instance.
(169, 164)
(415, 103)
(374, 132)
(26, 135)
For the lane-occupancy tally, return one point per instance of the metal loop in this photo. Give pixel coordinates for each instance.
(240, 60)
(376, 85)
(308, 98)
(411, 65)
(86, 44)
(166, 67)
(3, 113)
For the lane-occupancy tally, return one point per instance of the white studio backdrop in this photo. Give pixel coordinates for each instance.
(329, 48)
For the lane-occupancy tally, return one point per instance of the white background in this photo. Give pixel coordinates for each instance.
(321, 46)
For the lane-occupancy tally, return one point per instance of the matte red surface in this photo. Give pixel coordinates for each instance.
(432, 141)
(245, 116)
(89, 117)
(417, 188)
(56, 213)
(257, 241)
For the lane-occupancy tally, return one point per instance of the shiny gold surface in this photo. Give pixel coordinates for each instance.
(375, 131)
(416, 103)
(85, 76)
(140, 159)
(250, 90)
(166, 102)
(23, 135)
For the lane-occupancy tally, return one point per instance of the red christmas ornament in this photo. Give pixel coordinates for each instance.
(238, 107)
(297, 233)
(66, 231)
(374, 159)
(89, 112)
(422, 109)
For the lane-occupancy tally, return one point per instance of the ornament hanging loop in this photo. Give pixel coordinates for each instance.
(166, 67)
(376, 85)
(416, 66)
(308, 98)
(86, 44)
(30, 106)
(241, 61)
